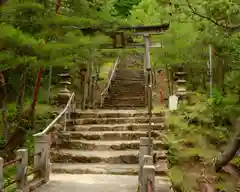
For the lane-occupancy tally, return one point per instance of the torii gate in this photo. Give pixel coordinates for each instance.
(122, 40)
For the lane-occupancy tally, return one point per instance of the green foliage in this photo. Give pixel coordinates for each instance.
(194, 139)
(124, 7)
(181, 179)
(24, 28)
(225, 108)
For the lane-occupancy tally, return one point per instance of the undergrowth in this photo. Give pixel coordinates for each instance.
(194, 138)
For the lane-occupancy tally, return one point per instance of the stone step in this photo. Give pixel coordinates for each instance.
(121, 120)
(98, 182)
(137, 78)
(129, 78)
(115, 100)
(127, 94)
(98, 113)
(111, 135)
(163, 184)
(116, 127)
(120, 86)
(127, 90)
(119, 94)
(136, 73)
(124, 100)
(140, 80)
(129, 71)
(124, 103)
(123, 106)
(121, 81)
(104, 168)
(107, 145)
(111, 157)
(123, 88)
(130, 74)
(132, 98)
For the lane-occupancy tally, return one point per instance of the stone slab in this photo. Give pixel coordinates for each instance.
(89, 183)
(104, 168)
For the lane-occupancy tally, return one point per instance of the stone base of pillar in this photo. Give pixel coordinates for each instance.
(144, 153)
(62, 98)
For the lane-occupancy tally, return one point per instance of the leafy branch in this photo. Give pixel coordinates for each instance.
(231, 28)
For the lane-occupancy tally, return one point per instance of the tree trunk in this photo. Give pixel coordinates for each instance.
(4, 105)
(231, 151)
(20, 98)
(35, 95)
(204, 79)
(3, 2)
(93, 92)
(172, 83)
(49, 84)
(85, 89)
(224, 69)
(90, 84)
(219, 74)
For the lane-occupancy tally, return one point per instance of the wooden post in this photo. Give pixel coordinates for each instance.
(42, 161)
(144, 142)
(1, 174)
(21, 166)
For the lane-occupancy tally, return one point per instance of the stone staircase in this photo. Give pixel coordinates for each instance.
(107, 142)
(127, 89)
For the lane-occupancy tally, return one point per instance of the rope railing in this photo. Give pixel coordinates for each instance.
(22, 180)
(110, 78)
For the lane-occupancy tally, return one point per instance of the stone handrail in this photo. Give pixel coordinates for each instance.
(65, 112)
(112, 72)
(41, 167)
